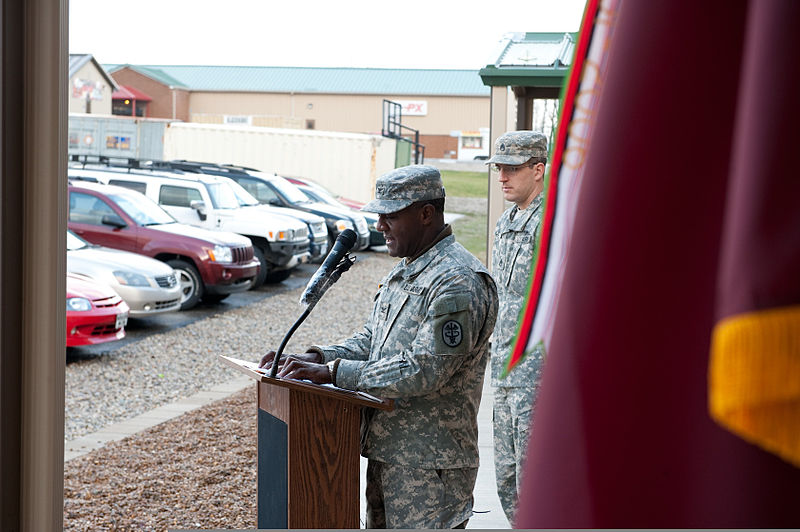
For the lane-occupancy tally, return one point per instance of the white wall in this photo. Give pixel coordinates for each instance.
(345, 163)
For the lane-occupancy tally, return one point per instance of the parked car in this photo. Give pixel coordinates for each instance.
(320, 195)
(147, 285)
(275, 190)
(209, 265)
(279, 243)
(348, 202)
(95, 313)
(317, 230)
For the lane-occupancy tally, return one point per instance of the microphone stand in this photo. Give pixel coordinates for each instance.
(337, 272)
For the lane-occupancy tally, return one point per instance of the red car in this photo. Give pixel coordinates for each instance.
(95, 312)
(210, 265)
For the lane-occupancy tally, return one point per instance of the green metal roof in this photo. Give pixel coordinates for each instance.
(316, 80)
(531, 59)
(151, 72)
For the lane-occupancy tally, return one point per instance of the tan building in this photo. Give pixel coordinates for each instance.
(448, 108)
(90, 86)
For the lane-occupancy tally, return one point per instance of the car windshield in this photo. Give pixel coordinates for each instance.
(322, 196)
(292, 193)
(222, 196)
(310, 194)
(242, 195)
(142, 209)
(75, 242)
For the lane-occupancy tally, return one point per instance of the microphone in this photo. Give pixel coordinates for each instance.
(329, 272)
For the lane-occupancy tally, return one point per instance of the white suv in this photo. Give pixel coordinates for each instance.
(279, 242)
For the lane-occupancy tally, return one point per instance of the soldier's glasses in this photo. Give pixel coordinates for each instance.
(511, 169)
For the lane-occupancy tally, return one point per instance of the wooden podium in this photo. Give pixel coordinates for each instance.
(308, 451)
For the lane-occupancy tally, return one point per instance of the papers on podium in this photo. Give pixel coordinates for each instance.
(262, 375)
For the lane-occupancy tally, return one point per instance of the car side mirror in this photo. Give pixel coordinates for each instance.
(200, 207)
(113, 220)
(275, 201)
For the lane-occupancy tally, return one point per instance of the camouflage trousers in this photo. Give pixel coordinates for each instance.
(512, 423)
(406, 497)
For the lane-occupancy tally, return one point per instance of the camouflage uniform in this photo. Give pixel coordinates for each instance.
(426, 346)
(512, 256)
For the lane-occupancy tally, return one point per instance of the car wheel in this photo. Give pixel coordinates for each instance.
(264, 267)
(278, 276)
(214, 298)
(191, 284)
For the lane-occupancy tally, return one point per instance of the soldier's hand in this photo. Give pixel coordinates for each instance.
(266, 360)
(297, 368)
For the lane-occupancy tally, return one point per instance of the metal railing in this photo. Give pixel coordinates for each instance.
(393, 127)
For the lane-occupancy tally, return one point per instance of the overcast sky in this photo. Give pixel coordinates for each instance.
(334, 33)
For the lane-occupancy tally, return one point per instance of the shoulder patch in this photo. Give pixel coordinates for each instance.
(452, 334)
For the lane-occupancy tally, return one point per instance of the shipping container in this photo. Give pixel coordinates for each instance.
(345, 163)
(114, 136)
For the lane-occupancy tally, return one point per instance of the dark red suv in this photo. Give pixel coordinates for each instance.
(210, 264)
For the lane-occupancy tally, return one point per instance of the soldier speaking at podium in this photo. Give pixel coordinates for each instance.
(425, 345)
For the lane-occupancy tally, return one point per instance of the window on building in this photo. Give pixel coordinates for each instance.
(125, 107)
(472, 143)
(310, 124)
(122, 107)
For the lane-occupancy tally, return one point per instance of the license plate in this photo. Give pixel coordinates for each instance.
(122, 320)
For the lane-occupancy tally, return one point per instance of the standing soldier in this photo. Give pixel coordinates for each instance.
(519, 158)
(426, 346)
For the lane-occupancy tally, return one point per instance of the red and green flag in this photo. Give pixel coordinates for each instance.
(567, 170)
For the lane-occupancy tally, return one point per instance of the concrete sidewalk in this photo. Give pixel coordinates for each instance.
(123, 429)
(489, 514)
(486, 500)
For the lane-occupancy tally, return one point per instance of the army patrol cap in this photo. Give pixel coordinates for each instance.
(396, 190)
(517, 147)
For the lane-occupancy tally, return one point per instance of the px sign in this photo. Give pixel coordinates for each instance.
(414, 107)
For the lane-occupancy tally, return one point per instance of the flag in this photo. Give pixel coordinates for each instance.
(686, 221)
(577, 113)
(755, 366)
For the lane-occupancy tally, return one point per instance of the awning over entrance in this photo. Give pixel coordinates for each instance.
(129, 101)
(130, 93)
(535, 60)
